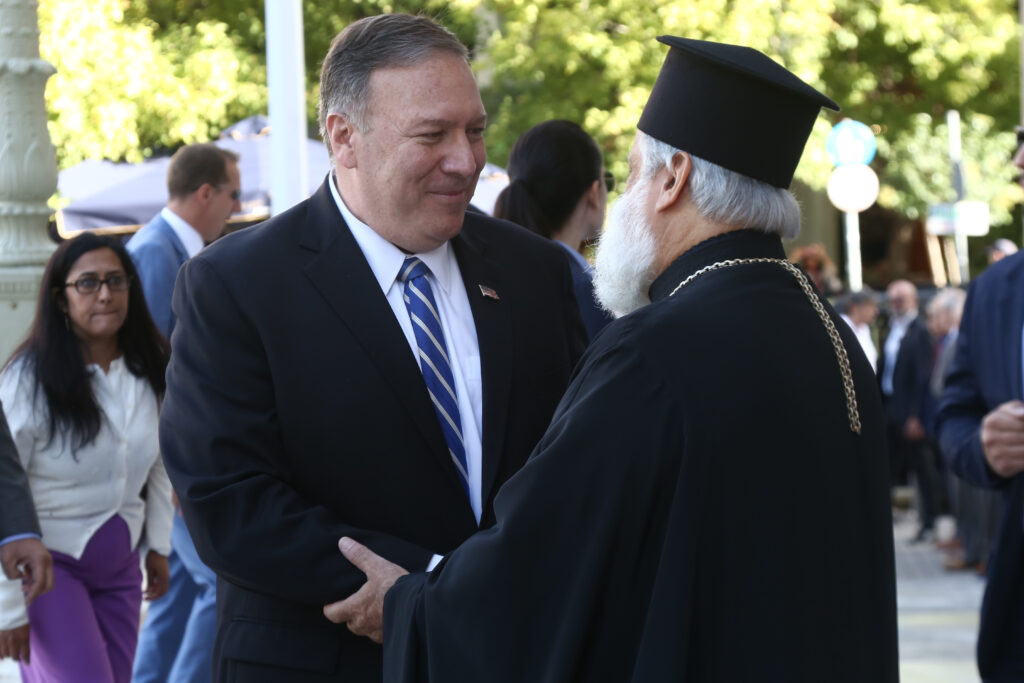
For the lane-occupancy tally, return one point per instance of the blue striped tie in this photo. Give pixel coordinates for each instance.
(433, 355)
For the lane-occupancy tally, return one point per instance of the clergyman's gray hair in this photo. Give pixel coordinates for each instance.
(378, 42)
(725, 196)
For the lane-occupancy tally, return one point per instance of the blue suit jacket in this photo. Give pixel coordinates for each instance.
(594, 317)
(158, 254)
(986, 372)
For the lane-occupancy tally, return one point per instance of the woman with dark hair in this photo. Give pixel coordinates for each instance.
(81, 396)
(558, 188)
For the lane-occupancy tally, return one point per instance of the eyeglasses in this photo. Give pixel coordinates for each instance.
(90, 284)
(609, 181)
(235, 195)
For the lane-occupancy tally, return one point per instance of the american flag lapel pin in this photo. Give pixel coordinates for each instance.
(488, 292)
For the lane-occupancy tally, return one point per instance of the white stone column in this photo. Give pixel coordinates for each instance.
(28, 169)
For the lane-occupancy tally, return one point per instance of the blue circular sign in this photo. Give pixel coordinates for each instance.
(850, 142)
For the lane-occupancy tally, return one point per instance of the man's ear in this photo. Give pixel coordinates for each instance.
(673, 181)
(340, 132)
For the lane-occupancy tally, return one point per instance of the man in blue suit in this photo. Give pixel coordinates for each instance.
(176, 642)
(981, 432)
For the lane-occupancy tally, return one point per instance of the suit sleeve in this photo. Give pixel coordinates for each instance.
(19, 512)
(962, 409)
(224, 452)
(157, 268)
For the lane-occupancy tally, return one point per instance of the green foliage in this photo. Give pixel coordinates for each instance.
(134, 77)
(124, 90)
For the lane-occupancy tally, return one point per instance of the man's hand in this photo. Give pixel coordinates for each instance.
(158, 575)
(1002, 439)
(363, 611)
(913, 430)
(14, 644)
(29, 560)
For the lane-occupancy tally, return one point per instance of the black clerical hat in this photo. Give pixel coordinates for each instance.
(733, 106)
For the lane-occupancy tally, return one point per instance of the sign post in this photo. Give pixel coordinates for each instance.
(853, 186)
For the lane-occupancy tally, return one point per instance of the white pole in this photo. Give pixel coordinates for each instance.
(286, 82)
(853, 270)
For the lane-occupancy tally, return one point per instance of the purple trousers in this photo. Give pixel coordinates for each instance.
(86, 628)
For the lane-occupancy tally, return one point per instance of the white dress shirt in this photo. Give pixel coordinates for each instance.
(385, 261)
(189, 236)
(897, 330)
(863, 332)
(75, 493)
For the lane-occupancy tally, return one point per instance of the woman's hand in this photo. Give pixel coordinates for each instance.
(158, 575)
(14, 644)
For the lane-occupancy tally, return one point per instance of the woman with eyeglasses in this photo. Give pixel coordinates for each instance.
(81, 395)
(558, 188)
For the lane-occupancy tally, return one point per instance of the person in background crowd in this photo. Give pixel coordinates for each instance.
(637, 542)
(81, 396)
(816, 262)
(972, 507)
(1000, 249)
(558, 188)
(904, 369)
(375, 361)
(203, 185)
(22, 554)
(860, 315)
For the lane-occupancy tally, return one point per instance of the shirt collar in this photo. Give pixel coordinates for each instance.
(384, 258)
(748, 243)
(189, 236)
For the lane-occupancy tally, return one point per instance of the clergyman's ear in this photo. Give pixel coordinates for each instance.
(673, 181)
(340, 132)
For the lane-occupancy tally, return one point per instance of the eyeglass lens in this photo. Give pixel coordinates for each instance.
(91, 285)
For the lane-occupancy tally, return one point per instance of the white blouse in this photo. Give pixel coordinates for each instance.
(76, 494)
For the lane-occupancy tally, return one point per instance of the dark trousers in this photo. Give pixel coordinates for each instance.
(917, 458)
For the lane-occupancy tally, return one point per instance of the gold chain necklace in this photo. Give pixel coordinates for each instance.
(833, 333)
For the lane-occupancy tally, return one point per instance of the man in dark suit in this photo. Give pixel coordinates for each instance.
(374, 362)
(22, 553)
(981, 432)
(904, 368)
(203, 184)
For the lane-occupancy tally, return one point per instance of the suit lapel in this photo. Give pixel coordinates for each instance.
(339, 271)
(172, 239)
(492, 318)
(1013, 304)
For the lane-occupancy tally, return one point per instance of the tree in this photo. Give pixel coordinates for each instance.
(138, 80)
(122, 92)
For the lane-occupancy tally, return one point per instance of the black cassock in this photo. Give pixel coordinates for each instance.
(699, 510)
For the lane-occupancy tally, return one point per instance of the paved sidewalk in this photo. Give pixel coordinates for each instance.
(938, 614)
(938, 611)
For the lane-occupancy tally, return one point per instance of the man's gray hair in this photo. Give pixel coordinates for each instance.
(727, 197)
(951, 300)
(378, 42)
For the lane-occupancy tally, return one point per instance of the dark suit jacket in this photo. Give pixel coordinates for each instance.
(158, 254)
(911, 374)
(594, 316)
(295, 414)
(986, 372)
(19, 512)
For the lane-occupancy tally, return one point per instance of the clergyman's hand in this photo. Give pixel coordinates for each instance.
(363, 611)
(1002, 438)
(29, 560)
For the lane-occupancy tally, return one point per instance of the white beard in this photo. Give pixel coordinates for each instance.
(625, 254)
